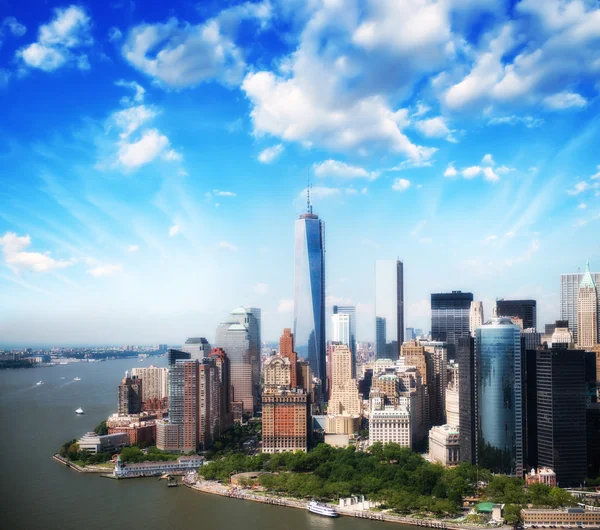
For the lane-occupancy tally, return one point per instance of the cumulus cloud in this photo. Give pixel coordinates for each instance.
(131, 119)
(487, 167)
(146, 149)
(105, 270)
(15, 256)
(59, 40)
(450, 170)
(487, 160)
(138, 92)
(435, 128)
(564, 100)
(174, 230)
(337, 169)
(225, 245)
(530, 122)
(401, 184)
(220, 193)
(12, 26)
(270, 154)
(582, 206)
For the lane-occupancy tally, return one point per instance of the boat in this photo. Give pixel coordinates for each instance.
(77, 379)
(40, 383)
(79, 411)
(321, 509)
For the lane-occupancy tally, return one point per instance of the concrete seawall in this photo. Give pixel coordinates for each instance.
(79, 469)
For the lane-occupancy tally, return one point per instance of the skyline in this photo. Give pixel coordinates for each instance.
(147, 195)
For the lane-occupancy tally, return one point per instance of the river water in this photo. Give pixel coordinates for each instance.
(37, 492)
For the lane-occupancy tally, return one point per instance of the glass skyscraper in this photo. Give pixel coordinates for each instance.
(569, 297)
(389, 308)
(309, 291)
(351, 311)
(450, 318)
(499, 398)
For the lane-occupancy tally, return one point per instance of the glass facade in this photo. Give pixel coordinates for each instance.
(569, 295)
(238, 337)
(389, 308)
(309, 292)
(450, 318)
(499, 397)
(351, 311)
(526, 310)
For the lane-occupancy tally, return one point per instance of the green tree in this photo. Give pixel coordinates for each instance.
(512, 514)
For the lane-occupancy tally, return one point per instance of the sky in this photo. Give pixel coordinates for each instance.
(155, 155)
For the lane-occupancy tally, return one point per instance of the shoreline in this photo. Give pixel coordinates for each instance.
(88, 469)
(216, 488)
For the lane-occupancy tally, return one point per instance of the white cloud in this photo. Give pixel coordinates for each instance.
(270, 154)
(510, 234)
(578, 188)
(434, 128)
(13, 249)
(227, 246)
(172, 156)
(261, 288)
(502, 170)
(180, 54)
(336, 169)
(582, 206)
(450, 171)
(401, 184)
(138, 92)
(579, 223)
(319, 192)
(174, 230)
(564, 100)
(221, 193)
(133, 248)
(421, 110)
(596, 175)
(490, 238)
(530, 122)
(14, 26)
(105, 270)
(490, 175)
(146, 149)
(131, 119)
(286, 305)
(58, 40)
(488, 160)
(471, 172)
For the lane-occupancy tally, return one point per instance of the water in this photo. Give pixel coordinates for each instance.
(38, 492)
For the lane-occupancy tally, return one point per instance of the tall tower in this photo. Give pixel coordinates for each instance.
(475, 317)
(587, 311)
(389, 308)
(309, 290)
(569, 295)
(450, 320)
(286, 349)
(349, 310)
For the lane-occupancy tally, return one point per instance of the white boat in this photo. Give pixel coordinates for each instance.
(321, 509)
(77, 379)
(40, 383)
(79, 411)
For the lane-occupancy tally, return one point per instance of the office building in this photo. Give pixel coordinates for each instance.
(530, 339)
(155, 382)
(197, 347)
(286, 349)
(238, 337)
(257, 314)
(569, 296)
(465, 355)
(345, 399)
(389, 308)
(130, 395)
(450, 318)
(499, 397)
(476, 318)
(410, 334)
(561, 336)
(453, 397)
(560, 411)
(444, 445)
(587, 312)
(349, 310)
(526, 310)
(221, 361)
(561, 518)
(175, 355)
(309, 290)
(103, 443)
(438, 352)
(277, 373)
(390, 424)
(340, 329)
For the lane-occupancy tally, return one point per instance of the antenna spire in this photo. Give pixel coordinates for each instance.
(308, 202)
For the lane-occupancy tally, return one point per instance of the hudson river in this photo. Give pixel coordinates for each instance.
(37, 492)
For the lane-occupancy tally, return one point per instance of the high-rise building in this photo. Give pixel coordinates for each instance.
(500, 440)
(560, 413)
(475, 316)
(349, 310)
(277, 372)
(224, 370)
(569, 296)
(390, 424)
(389, 308)
(587, 311)
(197, 347)
(410, 334)
(175, 355)
(309, 290)
(561, 336)
(414, 354)
(238, 337)
(155, 382)
(450, 318)
(444, 445)
(286, 349)
(465, 355)
(526, 310)
(340, 329)
(130, 395)
(453, 397)
(345, 399)
(438, 352)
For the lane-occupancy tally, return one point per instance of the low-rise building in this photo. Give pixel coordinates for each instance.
(567, 517)
(181, 466)
(390, 424)
(144, 432)
(444, 445)
(541, 475)
(103, 443)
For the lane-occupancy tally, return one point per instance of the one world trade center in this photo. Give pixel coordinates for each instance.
(309, 290)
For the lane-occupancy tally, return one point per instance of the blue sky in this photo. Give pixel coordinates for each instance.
(154, 157)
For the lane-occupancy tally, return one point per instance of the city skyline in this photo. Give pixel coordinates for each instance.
(147, 197)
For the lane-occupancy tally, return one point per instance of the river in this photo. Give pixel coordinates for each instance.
(38, 492)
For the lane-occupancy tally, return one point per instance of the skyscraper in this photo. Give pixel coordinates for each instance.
(569, 296)
(238, 337)
(389, 308)
(475, 316)
(197, 347)
(224, 370)
(450, 318)
(349, 310)
(465, 355)
(499, 396)
(309, 290)
(130, 395)
(345, 399)
(587, 311)
(340, 329)
(155, 382)
(524, 309)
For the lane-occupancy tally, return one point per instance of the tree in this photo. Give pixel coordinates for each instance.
(101, 428)
(512, 514)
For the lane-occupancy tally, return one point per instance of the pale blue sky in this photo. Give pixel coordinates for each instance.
(154, 158)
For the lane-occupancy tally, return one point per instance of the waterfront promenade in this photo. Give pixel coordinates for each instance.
(235, 492)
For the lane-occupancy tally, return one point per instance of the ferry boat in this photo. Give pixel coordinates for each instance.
(40, 383)
(79, 411)
(321, 509)
(77, 379)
